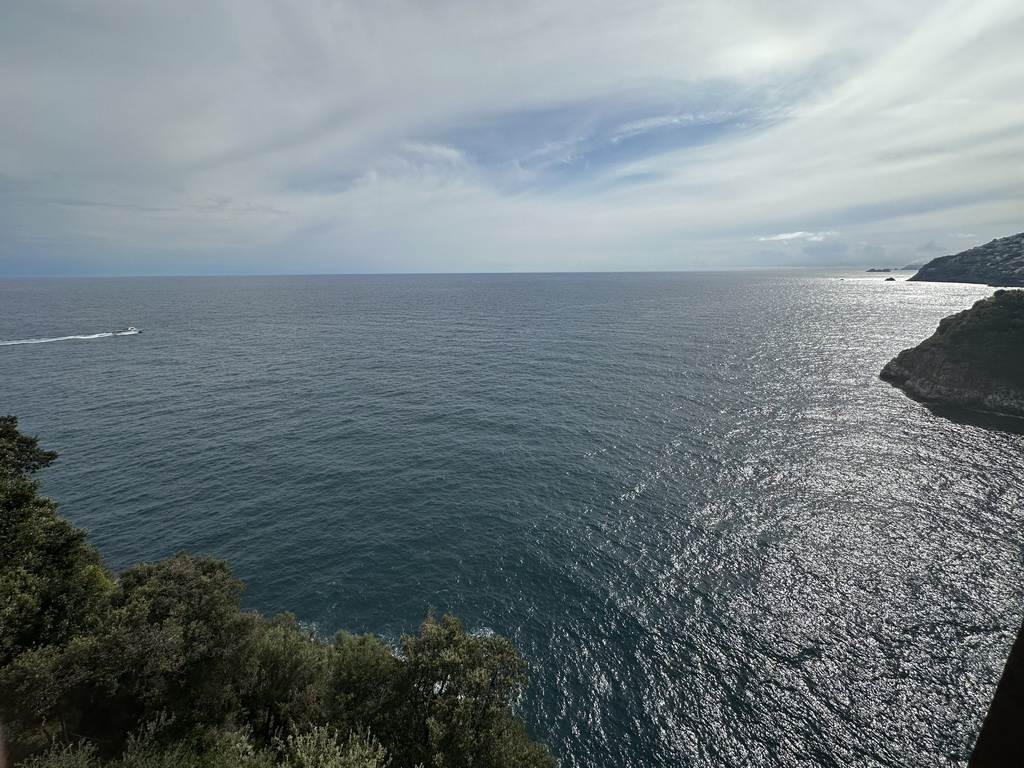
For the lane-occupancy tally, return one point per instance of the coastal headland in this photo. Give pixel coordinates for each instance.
(997, 263)
(974, 360)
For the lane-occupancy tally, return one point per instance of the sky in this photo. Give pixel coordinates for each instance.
(381, 136)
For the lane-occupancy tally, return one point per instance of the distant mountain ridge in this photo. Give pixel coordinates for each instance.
(998, 263)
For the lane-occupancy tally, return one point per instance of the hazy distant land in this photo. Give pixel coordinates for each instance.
(998, 263)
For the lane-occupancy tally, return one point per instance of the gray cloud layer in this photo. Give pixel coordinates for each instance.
(395, 135)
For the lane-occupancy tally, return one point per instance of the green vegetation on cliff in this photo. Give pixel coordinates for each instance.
(158, 666)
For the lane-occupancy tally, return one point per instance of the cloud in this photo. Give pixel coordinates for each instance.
(812, 236)
(445, 135)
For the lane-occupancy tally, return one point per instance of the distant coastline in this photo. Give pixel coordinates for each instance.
(999, 263)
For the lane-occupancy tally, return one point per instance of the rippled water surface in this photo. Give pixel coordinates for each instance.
(717, 537)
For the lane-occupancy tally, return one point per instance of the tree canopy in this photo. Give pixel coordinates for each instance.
(159, 666)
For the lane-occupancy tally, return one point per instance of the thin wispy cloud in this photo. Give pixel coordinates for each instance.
(448, 135)
(810, 236)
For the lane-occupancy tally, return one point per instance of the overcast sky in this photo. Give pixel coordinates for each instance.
(268, 136)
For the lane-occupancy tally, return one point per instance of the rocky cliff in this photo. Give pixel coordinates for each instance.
(1000, 262)
(974, 360)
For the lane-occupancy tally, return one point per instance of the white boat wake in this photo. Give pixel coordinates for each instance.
(126, 332)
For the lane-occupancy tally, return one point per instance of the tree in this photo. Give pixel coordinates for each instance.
(172, 646)
(51, 580)
(286, 681)
(363, 686)
(21, 454)
(460, 690)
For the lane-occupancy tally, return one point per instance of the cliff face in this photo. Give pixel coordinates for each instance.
(931, 376)
(1000, 262)
(974, 360)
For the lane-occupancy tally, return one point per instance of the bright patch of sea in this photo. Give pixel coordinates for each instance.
(716, 536)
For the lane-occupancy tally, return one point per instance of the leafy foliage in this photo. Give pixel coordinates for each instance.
(158, 666)
(20, 454)
(51, 581)
(459, 690)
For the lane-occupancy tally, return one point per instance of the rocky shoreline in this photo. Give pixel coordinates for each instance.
(974, 360)
(932, 377)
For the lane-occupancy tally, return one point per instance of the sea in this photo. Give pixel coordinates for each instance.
(715, 535)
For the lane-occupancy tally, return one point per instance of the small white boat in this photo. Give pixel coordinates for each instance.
(126, 331)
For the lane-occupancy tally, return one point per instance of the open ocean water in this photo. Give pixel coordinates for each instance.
(717, 537)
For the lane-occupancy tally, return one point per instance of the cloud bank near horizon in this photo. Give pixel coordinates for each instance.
(407, 136)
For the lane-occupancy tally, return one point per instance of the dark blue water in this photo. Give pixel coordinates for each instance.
(716, 536)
